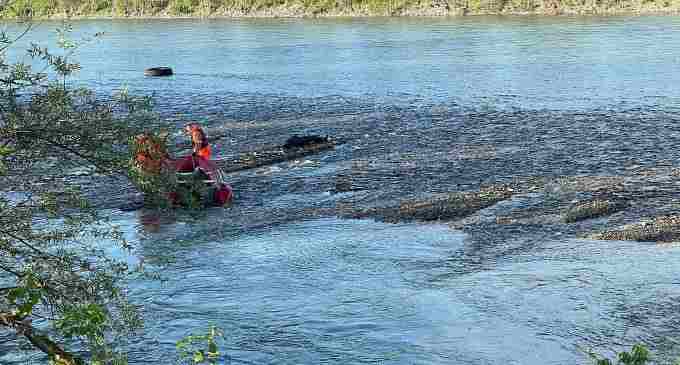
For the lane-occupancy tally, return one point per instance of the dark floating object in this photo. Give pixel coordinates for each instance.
(294, 148)
(158, 71)
(305, 141)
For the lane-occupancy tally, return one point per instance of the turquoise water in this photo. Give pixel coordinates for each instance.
(291, 283)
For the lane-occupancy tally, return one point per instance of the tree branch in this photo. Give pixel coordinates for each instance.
(42, 342)
(15, 273)
(30, 246)
(73, 151)
(28, 29)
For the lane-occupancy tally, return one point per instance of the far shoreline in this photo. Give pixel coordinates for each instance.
(296, 13)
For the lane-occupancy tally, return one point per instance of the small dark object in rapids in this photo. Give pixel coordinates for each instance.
(303, 141)
(158, 71)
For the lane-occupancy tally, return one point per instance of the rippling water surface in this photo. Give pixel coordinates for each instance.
(425, 105)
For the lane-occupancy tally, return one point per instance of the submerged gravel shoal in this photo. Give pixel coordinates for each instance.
(555, 162)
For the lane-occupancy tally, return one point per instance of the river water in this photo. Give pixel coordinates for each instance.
(425, 106)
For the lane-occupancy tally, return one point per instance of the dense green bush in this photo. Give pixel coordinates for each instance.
(182, 7)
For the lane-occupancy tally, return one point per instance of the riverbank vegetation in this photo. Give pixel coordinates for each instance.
(638, 355)
(314, 8)
(61, 287)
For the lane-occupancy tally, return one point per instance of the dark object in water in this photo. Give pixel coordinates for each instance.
(255, 159)
(158, 71)
(304, 141)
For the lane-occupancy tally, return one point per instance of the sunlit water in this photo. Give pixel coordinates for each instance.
(290, 284)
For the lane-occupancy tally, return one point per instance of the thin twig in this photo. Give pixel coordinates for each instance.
(15, 273)
(28, 29)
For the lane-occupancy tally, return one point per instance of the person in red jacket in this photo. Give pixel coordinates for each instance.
(199, 141)
(200, 149)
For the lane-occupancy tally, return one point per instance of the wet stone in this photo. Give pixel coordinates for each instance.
(659, 229)
(447, 207)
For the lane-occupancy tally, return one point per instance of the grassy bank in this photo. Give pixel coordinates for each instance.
(320, 8)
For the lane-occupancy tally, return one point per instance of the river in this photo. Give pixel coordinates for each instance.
(426, 105)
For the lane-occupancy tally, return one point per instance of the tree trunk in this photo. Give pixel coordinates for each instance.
(43, 343)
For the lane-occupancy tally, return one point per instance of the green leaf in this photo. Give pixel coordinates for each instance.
(6, 151)
(15, 294)
(198, 357)
(83, 321)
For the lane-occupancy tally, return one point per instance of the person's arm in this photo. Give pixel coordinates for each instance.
(196, 142)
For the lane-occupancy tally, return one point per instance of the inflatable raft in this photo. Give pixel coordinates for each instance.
(199, 182)
(193, 181)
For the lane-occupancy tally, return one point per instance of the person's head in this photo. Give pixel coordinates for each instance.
(191, 127)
